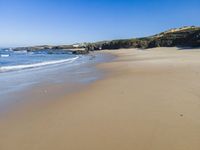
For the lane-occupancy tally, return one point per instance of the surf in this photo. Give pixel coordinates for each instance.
(34, 65)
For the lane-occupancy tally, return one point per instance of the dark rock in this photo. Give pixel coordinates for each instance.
(181, 37)
(80, 52)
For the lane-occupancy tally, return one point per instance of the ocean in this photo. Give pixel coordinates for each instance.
(18, 60)
(22, 70)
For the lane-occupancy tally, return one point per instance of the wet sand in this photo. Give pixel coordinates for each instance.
(149, 101)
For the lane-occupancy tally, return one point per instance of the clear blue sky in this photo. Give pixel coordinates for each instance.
(35, 22)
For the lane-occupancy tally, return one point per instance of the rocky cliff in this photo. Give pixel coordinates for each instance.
(180, 37)
(188, 36)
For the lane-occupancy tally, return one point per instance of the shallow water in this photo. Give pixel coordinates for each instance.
(18, 60)
(78, 72)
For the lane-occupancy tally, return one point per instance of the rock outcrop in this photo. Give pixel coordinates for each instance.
(188, 36)
(180, 37)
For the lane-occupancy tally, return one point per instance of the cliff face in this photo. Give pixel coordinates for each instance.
(48, 47)
(181, 37)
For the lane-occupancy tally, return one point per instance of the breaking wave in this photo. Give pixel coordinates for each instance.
(28, 66)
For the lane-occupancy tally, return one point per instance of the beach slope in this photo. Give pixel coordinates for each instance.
(149, 101)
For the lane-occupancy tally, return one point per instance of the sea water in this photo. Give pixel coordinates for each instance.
(20, 70)
(19, 60)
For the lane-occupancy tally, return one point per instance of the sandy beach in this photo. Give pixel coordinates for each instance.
(149, 100)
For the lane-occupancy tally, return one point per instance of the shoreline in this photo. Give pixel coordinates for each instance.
(47, 83)
(148, 101)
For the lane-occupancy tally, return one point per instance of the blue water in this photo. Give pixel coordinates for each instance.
(21, 71)
(18, 60)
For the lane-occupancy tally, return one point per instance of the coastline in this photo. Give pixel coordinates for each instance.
(48, 83)
(149, 100)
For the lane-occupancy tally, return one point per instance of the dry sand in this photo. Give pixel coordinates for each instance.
(150, 101)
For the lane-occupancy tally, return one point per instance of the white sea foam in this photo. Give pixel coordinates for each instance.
(20, 52)
(27, 66)
(4, 55)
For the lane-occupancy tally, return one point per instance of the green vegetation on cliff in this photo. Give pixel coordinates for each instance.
(181, 37)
